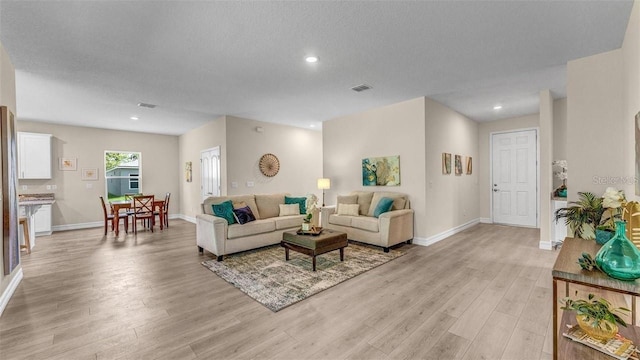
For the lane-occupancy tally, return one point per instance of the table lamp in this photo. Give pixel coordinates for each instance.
(324, 184)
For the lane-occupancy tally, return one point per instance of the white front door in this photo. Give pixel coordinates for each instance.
(514, 178)
(210, 172)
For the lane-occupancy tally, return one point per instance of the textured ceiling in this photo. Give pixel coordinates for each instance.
(90, 63)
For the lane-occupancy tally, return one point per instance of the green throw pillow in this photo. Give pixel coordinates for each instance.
(225, 211)
(383, 206)
(302, 201)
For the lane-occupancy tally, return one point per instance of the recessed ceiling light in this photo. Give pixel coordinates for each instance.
(312, 126)
(311, 59)
(497, 107)
(134, 118)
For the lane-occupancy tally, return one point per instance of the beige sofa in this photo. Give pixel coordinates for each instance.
(215, 235)
(390, 228)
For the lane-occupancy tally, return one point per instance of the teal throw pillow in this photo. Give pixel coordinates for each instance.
(383, 206)
(225, 211)
(302, 201)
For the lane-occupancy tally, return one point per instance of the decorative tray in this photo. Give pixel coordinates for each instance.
(313, 232)
(619, 347)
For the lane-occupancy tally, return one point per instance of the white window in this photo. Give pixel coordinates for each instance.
(122, 171)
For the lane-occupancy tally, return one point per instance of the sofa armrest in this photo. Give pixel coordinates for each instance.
(211, 233)
(396, 226)
(325, 212)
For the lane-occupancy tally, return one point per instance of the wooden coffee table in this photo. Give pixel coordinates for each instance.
(314, 245)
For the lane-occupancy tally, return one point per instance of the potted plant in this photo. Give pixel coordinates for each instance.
(596, 317)
(583, 215)
(306, 222)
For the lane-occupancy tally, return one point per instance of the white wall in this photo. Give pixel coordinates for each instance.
(298, 150)
(77, 205)
(559, 134)
(545, 153)
(8, 283)
(451, 200)
(397, 129)
(191, 143)
(598, 151)
(631, 68)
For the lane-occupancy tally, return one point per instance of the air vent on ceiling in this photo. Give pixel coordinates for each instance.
(150, 106)
(361, 87)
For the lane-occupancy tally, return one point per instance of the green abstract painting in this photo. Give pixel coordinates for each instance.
(381, 171)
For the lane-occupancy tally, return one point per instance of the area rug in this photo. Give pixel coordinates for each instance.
(265, 276)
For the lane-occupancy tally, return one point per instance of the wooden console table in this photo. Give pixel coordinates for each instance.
(567, 270)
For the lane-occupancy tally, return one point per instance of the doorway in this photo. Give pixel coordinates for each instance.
(210, 172)
(514, 178)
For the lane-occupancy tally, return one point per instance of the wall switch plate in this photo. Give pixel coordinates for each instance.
(48, 187)
(89, 186)
(250, 184)
(54, 187)
(234, 184)
(24, 187)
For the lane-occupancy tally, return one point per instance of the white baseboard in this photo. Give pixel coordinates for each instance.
(96, 224)
(545, 245)
(486, 221)
(445, 234)
(190, 219)
(8, 293)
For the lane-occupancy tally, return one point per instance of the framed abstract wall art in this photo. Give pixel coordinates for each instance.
(469, 165)
(458, 165)
(381, 171)
(446, 163)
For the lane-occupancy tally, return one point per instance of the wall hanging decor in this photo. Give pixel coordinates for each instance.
(67, 164)
(89, 174)
(446, 163)
(269, 165)
(381, 171)
(458, 165)
(469, 166)
(187, 171)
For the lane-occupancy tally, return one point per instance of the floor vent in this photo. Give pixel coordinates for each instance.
(361, 87)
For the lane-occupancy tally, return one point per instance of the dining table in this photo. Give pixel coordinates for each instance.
(158, 204)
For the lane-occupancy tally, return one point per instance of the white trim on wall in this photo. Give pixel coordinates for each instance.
(96, 224)
(445, 234)
(8, 292)
(486, 221)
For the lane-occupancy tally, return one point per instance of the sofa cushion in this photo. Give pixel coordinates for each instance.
(347, 199)
(348, 209)
(243, 215)
(302, 201)
(248, 199)
(289, 209)
(252, 228)
(268, 205)
(365, 223)
(225, 211)
(343, 220)
(364, 200)
(286, 222)
(383, 206)
(400, 198)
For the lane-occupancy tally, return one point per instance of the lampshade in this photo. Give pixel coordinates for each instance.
(324, 183)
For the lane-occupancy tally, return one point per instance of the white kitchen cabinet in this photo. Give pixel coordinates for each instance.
(34, 156)
(43, 220)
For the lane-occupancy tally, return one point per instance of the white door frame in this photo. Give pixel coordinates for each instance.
(490, 190)
(218, 149)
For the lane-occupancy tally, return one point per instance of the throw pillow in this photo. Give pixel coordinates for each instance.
(243, 215)
(289, 209)
(348, 209)
(347, 199)
(301, 201)
(239, 204)
(383, 206)
(225, 211)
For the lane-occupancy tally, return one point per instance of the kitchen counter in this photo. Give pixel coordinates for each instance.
(29, 205)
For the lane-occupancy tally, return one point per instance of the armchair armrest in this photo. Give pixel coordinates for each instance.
(396, 226)
(211, 233)
(325, 211)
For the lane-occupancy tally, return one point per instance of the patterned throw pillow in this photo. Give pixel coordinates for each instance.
(289, 209)
(225, 211)
(348, 209)
(302, 201)
(243, 215)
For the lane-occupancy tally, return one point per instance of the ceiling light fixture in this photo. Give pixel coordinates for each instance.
(147, 105)
(134, 118)
(497, 107)
(311, 59)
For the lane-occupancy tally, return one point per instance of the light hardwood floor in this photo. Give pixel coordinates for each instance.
(484, 293)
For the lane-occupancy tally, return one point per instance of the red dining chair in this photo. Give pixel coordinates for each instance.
(143, 210)
(111, 218)
(165, 209)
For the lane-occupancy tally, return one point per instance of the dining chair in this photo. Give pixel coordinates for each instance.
(109, 217)
(143, 210)
(129, 196)
(165, 209)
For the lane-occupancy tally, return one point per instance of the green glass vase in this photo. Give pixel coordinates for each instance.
(619, 257)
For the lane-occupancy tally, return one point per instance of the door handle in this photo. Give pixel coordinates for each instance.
(495, 190)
